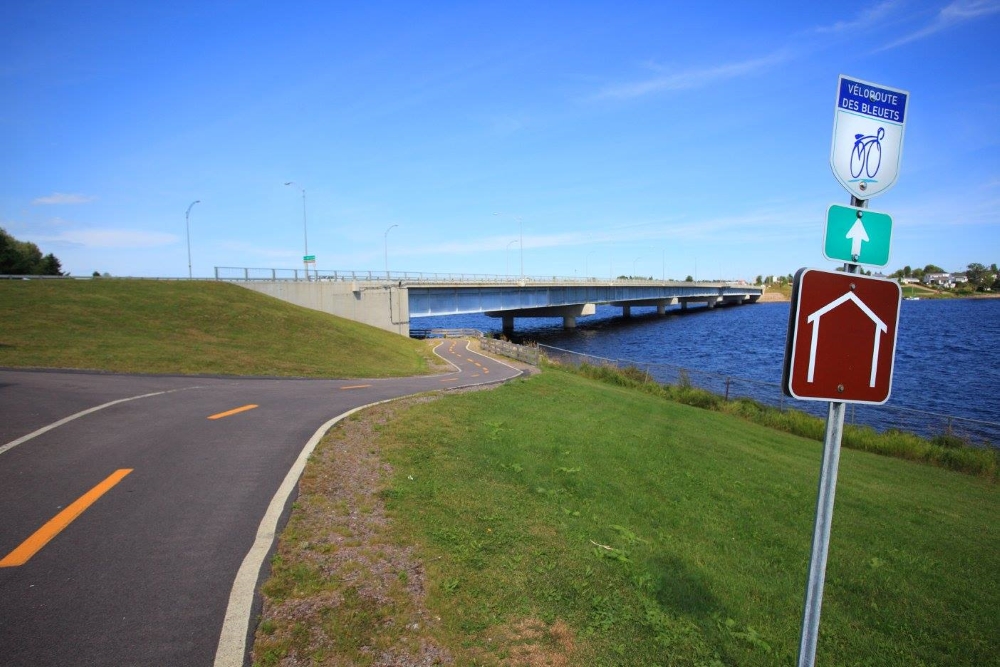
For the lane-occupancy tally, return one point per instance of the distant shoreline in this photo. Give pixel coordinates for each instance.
(778, 297)
(772, 297)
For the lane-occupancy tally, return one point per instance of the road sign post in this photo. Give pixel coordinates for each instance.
(852, 361)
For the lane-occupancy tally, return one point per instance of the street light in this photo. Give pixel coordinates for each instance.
(387, 251)
(508, 254)
(586, 263)
(520, 235)
(187, 225)
(305, 234)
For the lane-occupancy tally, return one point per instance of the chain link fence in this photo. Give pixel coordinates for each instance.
(880, 417)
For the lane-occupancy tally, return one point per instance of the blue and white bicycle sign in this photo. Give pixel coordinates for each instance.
(868, 124)
(866, 157)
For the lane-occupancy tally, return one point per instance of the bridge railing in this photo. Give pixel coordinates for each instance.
(246, 274)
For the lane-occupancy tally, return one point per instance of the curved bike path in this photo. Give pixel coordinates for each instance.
(182, 482)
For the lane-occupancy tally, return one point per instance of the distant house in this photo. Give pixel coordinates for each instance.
(945, 279)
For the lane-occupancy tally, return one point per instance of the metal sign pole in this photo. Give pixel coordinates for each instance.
(824, 515)
(821, 534)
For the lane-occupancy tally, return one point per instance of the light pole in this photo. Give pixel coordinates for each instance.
(387, 251)
(520, 244)
(586, 263)
(187, 225)
(520, 236)
(305, 233)
(508, 254)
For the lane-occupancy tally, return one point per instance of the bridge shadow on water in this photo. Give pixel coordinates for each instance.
(607, 319)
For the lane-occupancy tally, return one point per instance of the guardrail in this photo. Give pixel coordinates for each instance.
(445, 333)
(880, 417)
(527, 353)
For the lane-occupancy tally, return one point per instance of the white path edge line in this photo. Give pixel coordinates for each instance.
(236, 626)
(232, 648)
(45, 429)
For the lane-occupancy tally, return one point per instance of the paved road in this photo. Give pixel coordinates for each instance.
(143, 575)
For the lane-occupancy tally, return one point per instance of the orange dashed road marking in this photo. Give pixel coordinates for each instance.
(234, 411)
(59, 522)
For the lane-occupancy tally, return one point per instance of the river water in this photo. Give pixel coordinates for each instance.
(947, 356)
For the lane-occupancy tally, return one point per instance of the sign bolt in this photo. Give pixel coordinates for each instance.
(840, 389)
(860, 214)
(862, 186)
(853, 286)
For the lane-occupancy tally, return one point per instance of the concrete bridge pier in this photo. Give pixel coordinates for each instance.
(626, 311)
(567, 313)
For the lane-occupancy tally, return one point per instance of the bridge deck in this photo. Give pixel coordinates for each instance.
(543, 299)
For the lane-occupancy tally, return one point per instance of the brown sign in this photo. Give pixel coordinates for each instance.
(841, 342)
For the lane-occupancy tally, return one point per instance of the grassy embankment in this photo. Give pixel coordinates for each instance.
(783, 292)
(145, 326)
(569, 521)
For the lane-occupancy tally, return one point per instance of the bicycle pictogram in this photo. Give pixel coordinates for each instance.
(866, 157)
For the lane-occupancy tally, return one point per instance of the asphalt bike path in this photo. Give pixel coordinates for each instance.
(128, 504)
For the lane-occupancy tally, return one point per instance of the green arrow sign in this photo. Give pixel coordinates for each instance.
(857, 235)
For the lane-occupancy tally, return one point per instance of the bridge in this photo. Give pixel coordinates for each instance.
(392, 300)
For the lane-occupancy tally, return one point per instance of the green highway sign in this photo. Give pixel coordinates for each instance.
(857, 235)
(309, 258)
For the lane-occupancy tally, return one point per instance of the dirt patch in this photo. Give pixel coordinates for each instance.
(341, 591)
(533, 643)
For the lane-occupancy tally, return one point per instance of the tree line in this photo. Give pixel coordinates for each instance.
(980, 278)
(23, 258)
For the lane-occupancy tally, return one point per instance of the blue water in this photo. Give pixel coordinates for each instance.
(947, 353)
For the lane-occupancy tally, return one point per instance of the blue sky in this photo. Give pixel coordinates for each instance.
(659, 139)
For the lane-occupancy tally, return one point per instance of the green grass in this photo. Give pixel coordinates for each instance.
(140, 326)
(922, 292)
(945, 451)
(667, 535)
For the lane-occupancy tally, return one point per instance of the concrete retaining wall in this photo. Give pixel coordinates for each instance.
(379, 304)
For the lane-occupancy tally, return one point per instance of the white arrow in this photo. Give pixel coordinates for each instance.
(858, 235)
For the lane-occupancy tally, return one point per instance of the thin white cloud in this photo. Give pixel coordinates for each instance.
(869, 18)
(687, 79)
(779, 223)
(956, 13)
(112, 238)
(62, 198)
